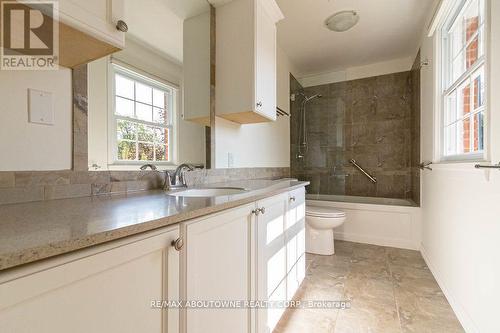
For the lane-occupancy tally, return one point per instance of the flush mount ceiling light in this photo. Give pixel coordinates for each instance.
(342, 21)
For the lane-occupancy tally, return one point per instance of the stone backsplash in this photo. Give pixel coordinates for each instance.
(27, 186)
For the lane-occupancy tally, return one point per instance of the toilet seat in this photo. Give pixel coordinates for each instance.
(322, 211)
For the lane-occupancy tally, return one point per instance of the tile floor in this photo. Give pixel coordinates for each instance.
(390, 290)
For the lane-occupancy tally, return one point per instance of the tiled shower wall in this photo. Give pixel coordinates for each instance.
(371, 120)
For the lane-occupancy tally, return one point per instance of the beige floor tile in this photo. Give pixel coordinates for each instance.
(343, 248)
(368, 317)
(378, 291)
(304, 321)
(369, 269)
(388, 290)
(368, 253)
(406, 258)
(425, 313)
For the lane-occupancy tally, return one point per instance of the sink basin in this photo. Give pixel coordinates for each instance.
(209, 192)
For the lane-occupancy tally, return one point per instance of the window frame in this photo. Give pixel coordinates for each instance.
(443, 47)
(128, 71)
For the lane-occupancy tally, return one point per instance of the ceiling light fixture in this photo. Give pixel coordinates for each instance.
(342, 21)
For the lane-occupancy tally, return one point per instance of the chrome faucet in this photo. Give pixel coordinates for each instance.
(151, 166)
(177, 179)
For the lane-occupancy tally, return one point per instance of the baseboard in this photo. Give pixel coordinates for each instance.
(465, 319)
(391, 242)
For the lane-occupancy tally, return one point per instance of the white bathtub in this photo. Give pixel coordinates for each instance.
(379, 221)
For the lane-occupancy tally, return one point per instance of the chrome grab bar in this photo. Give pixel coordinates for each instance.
(479, 166)
(372, 179)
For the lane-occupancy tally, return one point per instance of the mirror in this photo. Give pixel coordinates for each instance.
(150, 103)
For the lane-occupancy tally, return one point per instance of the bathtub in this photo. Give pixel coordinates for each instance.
(379, 221)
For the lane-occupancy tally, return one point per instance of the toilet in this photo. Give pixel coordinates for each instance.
(320, 221)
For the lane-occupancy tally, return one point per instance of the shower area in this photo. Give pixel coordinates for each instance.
(359, 141)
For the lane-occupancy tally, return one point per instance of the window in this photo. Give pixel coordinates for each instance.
(142, 118)
(463, 81)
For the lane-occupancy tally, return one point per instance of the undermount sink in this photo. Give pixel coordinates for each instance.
(209, 192)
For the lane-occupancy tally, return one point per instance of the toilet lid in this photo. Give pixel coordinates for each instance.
(322, 211)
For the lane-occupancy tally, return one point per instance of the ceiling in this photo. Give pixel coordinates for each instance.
(387, 29)
(158, 24)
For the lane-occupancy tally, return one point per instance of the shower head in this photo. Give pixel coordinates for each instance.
(307, 99)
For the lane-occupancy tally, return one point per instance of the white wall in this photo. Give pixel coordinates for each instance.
(258, 145)
(26, 146)
(461, 208)
(191, 136)
(358, 72)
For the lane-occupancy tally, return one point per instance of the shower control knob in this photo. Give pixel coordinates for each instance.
(259, 104)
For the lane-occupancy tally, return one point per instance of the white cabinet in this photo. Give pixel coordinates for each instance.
(252, 252)
(97, 18)
(217, 266)
(196, 69)
(246, 60)
(280, 253)
(87, 29)
(108, 288)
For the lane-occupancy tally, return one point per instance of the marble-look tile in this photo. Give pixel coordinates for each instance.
(419, 282)
(343, 248)
(303, 321)
(40, 178)
(7, 179)
(406, 258)
(387, 289)
(426, 313)
(21, 194)
(368, 253)
(375, 290)
(368, 317)
(90, 177)
(369, 269)
(53, 192)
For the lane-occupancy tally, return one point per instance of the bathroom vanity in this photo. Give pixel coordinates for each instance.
(134, 253)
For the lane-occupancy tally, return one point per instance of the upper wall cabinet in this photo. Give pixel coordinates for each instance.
(196, 69)
(88, 30)
(246, 60)
(97, 18)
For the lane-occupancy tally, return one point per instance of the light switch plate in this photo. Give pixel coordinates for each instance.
(40, 107)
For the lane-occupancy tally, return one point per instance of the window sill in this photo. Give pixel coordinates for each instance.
(132, 166)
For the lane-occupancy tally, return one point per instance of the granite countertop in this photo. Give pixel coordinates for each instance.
(39, 230)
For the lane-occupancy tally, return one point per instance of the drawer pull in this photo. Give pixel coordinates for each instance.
(292, 199)
(263, 210)
(256, 212)
(178, 243)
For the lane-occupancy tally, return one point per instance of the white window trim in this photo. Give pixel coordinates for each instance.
(149, 79)
(440, 93)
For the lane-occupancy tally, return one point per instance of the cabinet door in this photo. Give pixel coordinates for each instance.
(217, 266)
(95, 17)
(265, 63)
(295, 239)
(271, 256)
(108, 291)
